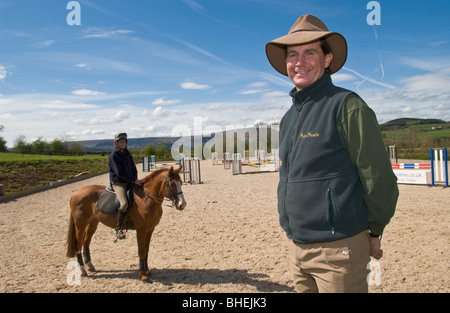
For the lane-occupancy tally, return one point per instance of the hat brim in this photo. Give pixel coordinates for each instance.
(276, 49)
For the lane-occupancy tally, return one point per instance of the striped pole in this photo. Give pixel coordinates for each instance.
(412, 165)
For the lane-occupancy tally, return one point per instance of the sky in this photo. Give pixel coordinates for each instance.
(169, 67)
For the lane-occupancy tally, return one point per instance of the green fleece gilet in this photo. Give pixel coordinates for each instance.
(320, 195)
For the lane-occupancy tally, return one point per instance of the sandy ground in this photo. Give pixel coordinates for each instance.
(227, 240)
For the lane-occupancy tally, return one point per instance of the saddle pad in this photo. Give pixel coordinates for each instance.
(108, 202)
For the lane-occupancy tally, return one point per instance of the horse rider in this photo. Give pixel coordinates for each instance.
(122, 172)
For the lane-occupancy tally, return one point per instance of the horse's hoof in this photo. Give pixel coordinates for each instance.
(91, 267)
(83, 272)
(145, 276)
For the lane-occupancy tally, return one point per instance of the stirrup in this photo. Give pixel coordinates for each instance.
(119, 235)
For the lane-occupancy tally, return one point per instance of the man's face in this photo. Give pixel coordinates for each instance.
(306, 63)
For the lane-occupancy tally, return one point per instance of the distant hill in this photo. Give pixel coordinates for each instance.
(141, 143)
(105, 145)
(407, 122)
(133, 143)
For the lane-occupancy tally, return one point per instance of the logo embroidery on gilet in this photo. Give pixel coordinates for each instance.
(309, 135)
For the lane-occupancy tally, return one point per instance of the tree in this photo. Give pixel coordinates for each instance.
(40, 146)
(149, 150)
(21, 146)
(3, 147)
(76, 148)
(57, 146)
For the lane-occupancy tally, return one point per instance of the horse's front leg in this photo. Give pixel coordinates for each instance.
(143, 238)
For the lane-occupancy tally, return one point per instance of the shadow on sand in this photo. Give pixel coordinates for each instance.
(171, 276)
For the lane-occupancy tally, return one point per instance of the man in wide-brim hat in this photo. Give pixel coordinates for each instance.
(337, 190)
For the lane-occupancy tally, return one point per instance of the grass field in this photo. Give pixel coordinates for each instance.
(10, 156)
(422, 131)
(18, 173)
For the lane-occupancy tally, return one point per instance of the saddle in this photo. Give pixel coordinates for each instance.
(108, 203)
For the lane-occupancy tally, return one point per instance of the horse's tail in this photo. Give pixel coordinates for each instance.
(71, 239)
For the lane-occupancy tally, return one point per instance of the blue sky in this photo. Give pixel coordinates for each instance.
(144, 67)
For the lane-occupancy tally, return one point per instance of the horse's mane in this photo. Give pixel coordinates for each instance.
(153, 175)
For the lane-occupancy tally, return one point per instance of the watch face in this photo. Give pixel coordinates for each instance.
(370, 234)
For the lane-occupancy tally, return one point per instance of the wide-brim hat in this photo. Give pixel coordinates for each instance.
(307, 29)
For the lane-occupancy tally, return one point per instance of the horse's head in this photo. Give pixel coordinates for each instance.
(173, 188)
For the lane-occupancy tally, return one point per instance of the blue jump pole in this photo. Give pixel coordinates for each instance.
(446, 167)
(432, 166)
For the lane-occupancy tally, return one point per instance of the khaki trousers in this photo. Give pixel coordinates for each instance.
(336, 266)
(121, 193)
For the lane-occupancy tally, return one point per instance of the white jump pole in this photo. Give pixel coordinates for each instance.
(439, 166)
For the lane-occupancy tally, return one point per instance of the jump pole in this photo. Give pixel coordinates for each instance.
(148, 163)
(194, 170)
(215, 159)
(439, 165)
(236, 167)
(276, 154)
(145, 164)
(226, 161)
(393, 154)
(191, 170)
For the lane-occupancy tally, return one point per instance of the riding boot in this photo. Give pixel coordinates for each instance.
(120, 220)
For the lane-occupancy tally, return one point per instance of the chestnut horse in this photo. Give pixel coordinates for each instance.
(144, 214)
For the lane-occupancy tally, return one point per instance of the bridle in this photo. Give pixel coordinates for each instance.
(173, 197)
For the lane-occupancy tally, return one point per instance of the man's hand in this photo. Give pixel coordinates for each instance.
(375, 247)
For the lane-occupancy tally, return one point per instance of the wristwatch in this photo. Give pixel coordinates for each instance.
(370, 234)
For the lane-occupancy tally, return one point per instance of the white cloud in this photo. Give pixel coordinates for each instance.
(194, 86)
(251, 91)
(159, 112)
(87, 92)
(6, 116)
(97, 32)
(407, 109)
(276, 94)
(116, 118)
(143, 129)
(257, 85)
(437, 44)
(93, 132)
(437, 82)
(427, 64)
(65, 105)
(83, 65)
(3, 72)
(163, 101)
(44, 44)
(195, 6)
(420, 96)
(342, 77)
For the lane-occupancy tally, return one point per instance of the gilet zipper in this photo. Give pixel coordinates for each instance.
(331, 212)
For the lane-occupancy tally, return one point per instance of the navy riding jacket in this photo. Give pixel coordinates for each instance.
(121, 167)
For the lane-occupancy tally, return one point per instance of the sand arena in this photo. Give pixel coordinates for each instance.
(227, 240)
